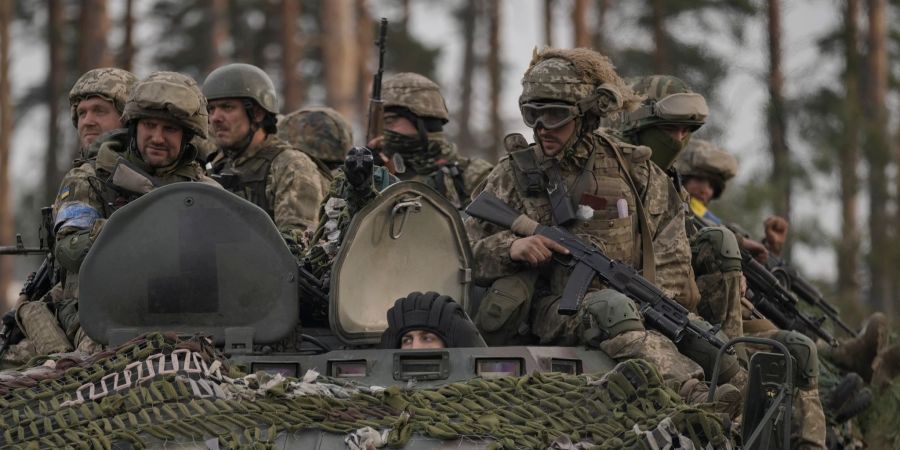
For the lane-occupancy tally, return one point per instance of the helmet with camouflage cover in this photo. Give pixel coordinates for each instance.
(704, 159)
(171, 96)
(108, 83)
(579, 77)
(242, 81)
(318, 131)
(668, 101)
(416, 93)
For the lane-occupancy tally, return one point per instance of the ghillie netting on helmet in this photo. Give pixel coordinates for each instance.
(161, 390)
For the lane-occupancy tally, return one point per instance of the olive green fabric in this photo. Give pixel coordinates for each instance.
(171, 96)
(192, 396)
(416, 93)
(241, 81)
(109, 83)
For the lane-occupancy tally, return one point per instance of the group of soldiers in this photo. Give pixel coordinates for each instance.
(612, 161)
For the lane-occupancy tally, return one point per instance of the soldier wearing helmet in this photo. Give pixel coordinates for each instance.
(414, 117)
(320, 132)
(429, 320)
(97, 101)
(163, 113)
(604, 190)
(252, 161)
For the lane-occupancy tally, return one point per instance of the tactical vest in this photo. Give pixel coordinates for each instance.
(248, 180)
(450, 171)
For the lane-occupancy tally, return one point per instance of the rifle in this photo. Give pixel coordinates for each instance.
(42, 280)
(661, 312)
(375, 127)
(777, 303)
(810, 295)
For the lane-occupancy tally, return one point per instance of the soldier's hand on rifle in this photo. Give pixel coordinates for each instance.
(376, 145)
(535, 250)
(756, 249)
(776, 234)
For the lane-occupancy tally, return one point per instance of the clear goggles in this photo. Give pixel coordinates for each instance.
(548, 115)
(686, 106)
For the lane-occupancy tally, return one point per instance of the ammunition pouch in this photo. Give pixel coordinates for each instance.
(606, 314)
(503, 314)
(803, 350)
(704, 353)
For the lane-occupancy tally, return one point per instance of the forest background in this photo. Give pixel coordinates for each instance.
(804, 93)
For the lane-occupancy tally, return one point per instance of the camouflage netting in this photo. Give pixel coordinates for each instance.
(159, 390)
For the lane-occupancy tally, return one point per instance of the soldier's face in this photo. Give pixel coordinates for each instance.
(159, 141)
(421, 339)
(554, 141)
(699, 188)
(228, 122)
(95, 117)
(677, 132)
(399, 124)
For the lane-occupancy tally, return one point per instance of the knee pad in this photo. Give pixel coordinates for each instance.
(804, 352)
(715, 249)
(608, 313)
(71, 250)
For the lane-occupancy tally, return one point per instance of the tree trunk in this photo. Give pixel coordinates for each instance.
(495, 75)
(599, 35)
(464, 114)
(404, 15)
(339, 57)
(126, 53)
(292, 90)
(93, 50)
(777, 120)
(6, 126)
(877, 154)
(660, 37)
(219, 34)
(56, 76)
(365, 24)
(579, 23)
(548, 22)
(848, 285)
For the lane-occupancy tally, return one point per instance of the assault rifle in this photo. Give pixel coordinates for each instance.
(661, 312)
(777, 303)
(375, 127)
(808, 293)
(42, 280)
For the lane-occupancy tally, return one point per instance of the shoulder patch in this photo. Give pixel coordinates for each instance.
(63, 193)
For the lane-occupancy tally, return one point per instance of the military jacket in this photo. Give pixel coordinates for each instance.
(278, 178)
(604, 189)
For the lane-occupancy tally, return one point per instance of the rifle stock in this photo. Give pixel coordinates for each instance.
(660, 312)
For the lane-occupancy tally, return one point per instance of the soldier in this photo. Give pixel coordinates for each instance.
(252, 161)
(320, 132)
(414, 117)
(429, 320)
(626, 206)
(706, 169)
(97, 101)
(162, 115)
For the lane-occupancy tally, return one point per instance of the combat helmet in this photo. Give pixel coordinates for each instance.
(415, 93)
(171, 96)
(318, 131)
(561, 85)
(109, 83)
(241, 81)
(432, 312)
(704, 159)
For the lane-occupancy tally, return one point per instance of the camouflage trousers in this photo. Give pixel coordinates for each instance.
(720, 301)
(808, 426)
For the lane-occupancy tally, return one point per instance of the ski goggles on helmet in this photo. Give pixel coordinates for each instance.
(681, 107)
(548, 115)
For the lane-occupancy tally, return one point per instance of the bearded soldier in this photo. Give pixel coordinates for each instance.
(162, 115)
(414, 117)
(625, 205)
(253, 162)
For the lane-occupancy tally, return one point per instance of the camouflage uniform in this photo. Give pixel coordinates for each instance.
(117, 174)
(574, 76)
(283, 181)
(428, 157)
(718, 269)
(320, 132)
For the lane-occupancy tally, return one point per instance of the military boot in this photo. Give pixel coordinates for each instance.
(857, 354)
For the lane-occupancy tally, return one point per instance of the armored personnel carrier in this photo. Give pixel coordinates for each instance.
(197, 293)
